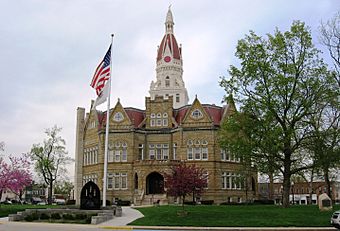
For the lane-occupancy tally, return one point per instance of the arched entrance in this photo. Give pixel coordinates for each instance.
(90, 196)
(154, 183)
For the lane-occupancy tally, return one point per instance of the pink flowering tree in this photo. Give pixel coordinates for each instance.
(184, 180)
(15, 175)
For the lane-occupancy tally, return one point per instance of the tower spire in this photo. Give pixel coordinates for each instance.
(169, 68)
(169, 22)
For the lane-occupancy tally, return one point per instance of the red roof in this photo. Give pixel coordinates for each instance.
(170, 40)
(214, 112)
(137, 115)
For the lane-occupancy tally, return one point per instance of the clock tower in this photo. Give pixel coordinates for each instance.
(169, 68)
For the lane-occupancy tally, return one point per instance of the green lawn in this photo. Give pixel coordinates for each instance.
(12, 209)
(236, 216)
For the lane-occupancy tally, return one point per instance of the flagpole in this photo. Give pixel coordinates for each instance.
(107, 130)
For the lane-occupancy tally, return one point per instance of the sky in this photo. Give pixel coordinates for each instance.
(49, 50)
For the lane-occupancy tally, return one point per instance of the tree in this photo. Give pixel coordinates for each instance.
(324, 141)
(277, 85)
(64, 188)
(184, 180)
(15, 176)
(50, 158)
(330, 37)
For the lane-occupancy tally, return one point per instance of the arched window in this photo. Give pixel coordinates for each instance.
(167, 81)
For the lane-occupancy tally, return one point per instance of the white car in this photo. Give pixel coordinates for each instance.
(335, 220)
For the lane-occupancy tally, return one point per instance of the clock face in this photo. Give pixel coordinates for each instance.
(167, 59)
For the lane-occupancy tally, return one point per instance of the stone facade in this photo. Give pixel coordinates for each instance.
(144, 144)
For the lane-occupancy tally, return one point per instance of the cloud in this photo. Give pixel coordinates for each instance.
(49, 50)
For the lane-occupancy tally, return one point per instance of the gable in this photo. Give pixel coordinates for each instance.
(196, 116)
(119, 118)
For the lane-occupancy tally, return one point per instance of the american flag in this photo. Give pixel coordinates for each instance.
(102, 73)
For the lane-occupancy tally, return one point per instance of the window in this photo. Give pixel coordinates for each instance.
(159, 122)
(231, 181)
(118, 152)
(124, 151)
(116, 181)
(197, 150)
(196, 114)
(204, 153)
(190, 150)
(92, 124)
(152, 123)
(167, 81)
(159, 115)
(177, 98)
(227, 156)
(90, 156)
(140, 151)
(165, 115)
(165, 122)
(118, 117)
(174, 151)
(110, 156)
(151, 151)
(165, 152)
(92, 177)
(124, 180)
(109, 181)
(153, 115)
(159, 151)
(206, 177)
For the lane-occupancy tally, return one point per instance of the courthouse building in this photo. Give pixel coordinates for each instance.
(145, 143)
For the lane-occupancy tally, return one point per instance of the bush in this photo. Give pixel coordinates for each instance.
(44, 216)
(55, 216)
(207, 202)
(68, 216)
(264, 202)
(189, 202)
(89, 217)
(32, 217)
(81, 216)
(70, 202)
(123, 203)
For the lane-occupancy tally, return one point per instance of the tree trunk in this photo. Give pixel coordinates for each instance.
(328, 183)
(310, 200)
(286, 177)
(271, 186)
(49, 199)
(183, 198)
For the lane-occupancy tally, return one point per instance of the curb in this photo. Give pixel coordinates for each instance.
(156, 228)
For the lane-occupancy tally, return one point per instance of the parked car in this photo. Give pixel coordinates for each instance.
(36, 200)
(335, 220)
(60, 201)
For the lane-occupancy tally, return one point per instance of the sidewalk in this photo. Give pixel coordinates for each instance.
(129, 215)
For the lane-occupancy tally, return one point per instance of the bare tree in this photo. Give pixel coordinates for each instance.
(330, 37)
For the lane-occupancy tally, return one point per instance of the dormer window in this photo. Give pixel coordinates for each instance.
(196, 114)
